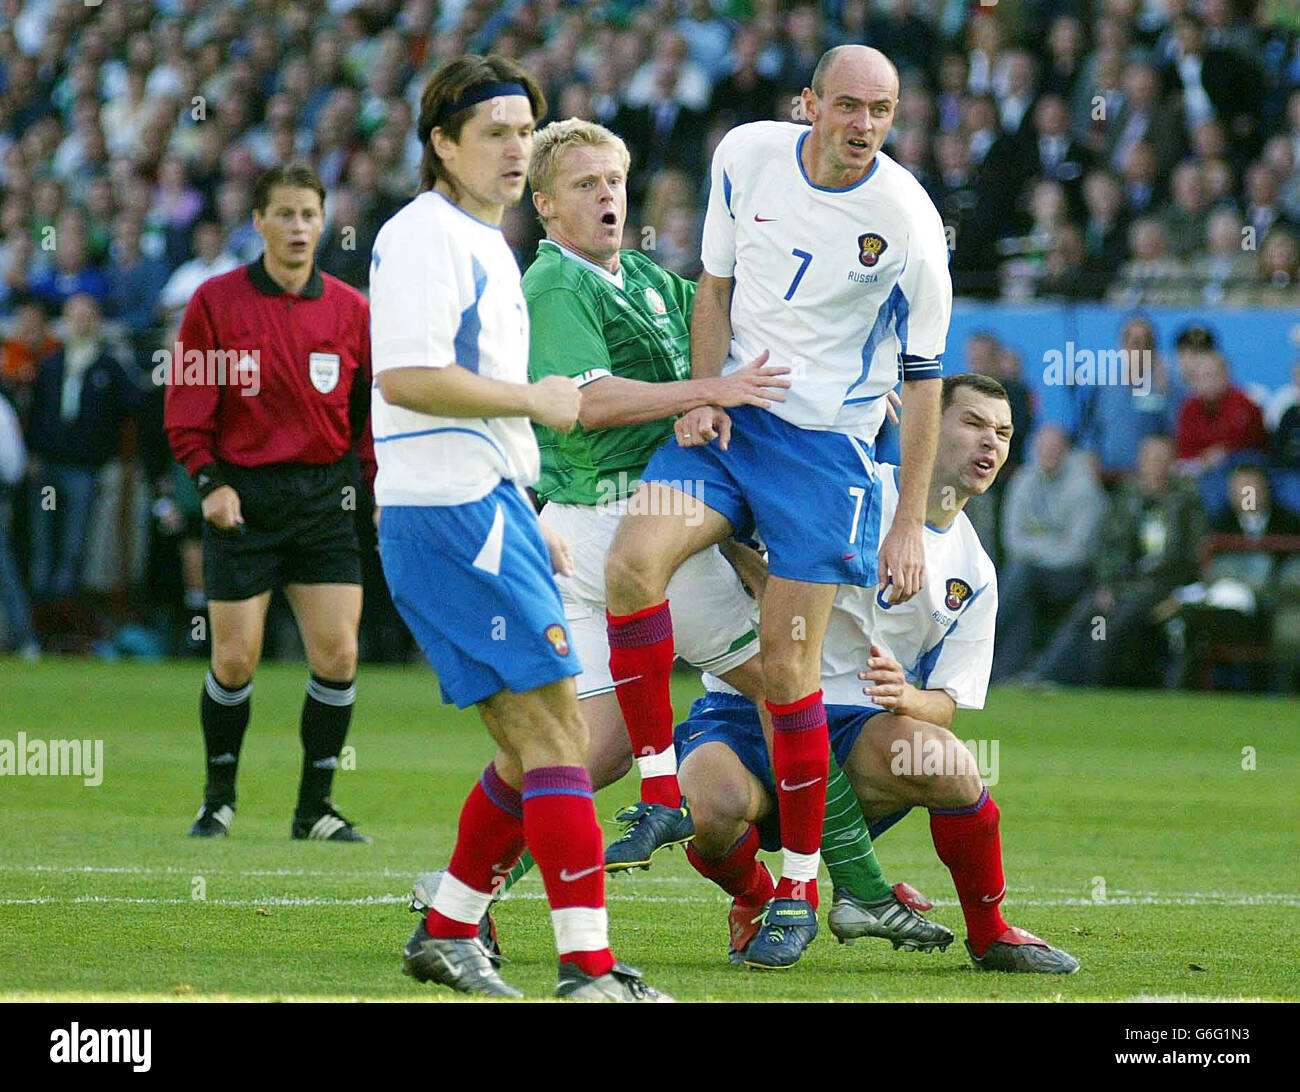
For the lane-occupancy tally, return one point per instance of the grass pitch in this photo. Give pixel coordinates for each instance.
(1133, 836)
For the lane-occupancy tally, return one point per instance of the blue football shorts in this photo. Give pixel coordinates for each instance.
(474, 585)
(813, 496)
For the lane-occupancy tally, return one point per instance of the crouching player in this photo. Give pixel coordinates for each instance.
(944, 636)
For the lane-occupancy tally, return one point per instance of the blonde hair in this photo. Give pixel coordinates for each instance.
(550, 143)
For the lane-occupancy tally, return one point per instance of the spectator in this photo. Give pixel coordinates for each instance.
(1150, 539)
(71, 272)
(15, 268)
(1066, 43)
(1142, 118)
(1115, 420)
(135, 282)
(1218, 420)
(1015, 88)
(1286, 439)
(28, 343)
(670, 76)
(1250, 509)
(953, 71)
(1153, 275)
(1140, 173)
(1184, 219)
(1276, 282)
(1055, 154)
(1224, 267)
(209, 260)
(82, 395)
(1066, 274)
(1283, 399)
(1215, 83)
(902, 34)
(1106, 226)
(1051, 523)
(1263, 208)
(708, 38)
(235, 214)
(15, 611)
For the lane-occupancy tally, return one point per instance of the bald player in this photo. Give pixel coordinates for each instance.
(823, 252)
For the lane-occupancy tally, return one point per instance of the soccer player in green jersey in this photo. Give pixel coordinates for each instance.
(619, 326)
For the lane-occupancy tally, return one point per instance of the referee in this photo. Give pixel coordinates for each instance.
(269, 392)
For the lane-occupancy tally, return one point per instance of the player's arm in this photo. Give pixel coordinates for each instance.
(957, 675)
(711, 326)
(417, 301)
(927, 292)
(887, 686)
(711, 313)
(454, 391)
(902, 553)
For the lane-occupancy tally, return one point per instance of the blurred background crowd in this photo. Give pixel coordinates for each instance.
(1142, 153)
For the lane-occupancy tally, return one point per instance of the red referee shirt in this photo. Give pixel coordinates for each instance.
(309, 399)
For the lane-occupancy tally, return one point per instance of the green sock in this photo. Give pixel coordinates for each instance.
(522, 867)
(846, 846)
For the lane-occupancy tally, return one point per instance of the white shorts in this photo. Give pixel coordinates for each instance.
(714, 619)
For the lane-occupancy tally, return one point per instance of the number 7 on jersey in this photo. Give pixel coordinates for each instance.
(804, 258)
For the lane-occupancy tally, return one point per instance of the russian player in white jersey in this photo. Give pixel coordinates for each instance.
(822, 252)
(922, 660)
(470, 569)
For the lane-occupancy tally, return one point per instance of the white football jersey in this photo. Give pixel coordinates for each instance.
(847, 287)
(444, 289)
(943, 636)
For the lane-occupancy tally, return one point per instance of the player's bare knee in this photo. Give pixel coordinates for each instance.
(790, 672)
(233, 665)
(915, 762)
(714, 784)
(633, 579)
(606, 768)
(336, 659)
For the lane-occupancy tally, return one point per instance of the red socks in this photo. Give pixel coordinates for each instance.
(967, 841)
(641, 663)
(564, 839)
(738, 873)
(801, 762)
(489, 840)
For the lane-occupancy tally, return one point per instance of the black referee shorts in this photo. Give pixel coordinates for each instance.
(298, 529)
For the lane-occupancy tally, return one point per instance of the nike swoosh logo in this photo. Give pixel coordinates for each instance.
(569, 877)
(994, 898)
(499, 870)
(692, 739)
(785, 787)
(765, 219)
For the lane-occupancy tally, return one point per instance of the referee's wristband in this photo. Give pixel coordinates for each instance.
(207, 479)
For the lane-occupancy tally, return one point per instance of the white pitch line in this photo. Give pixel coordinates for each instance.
(379, 900)
(1115, 896)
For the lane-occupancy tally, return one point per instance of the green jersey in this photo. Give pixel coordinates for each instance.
(586, 325)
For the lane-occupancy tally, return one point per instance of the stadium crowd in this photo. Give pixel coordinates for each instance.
(1142, 152)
